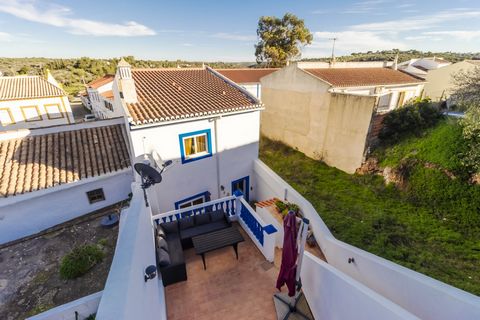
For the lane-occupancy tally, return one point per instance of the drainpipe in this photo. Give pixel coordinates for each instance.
(217, 155)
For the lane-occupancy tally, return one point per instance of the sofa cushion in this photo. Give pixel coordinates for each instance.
(186, 223)
(163, 258)
(170, 227)
(175, 249)
(205, 228)
(201, 219)
(162, 243)
(161, 232)
(217, 215)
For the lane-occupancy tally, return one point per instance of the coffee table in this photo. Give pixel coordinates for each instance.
(216, 240)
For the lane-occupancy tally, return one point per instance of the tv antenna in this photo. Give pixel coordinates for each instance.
(334, 39)
(150, 176)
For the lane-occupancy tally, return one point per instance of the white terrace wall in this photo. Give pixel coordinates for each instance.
(30, 213)
(237, 138)
(333, 295)
(126, 294)
(420, 295)
(79, 309)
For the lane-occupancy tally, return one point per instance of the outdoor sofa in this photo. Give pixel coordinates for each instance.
(173, 237)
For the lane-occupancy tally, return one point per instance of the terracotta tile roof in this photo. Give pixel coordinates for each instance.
(170, 94)
(38, 162)
(107, 94)
(24, 87)
(357, 77)
(97, 83)
(250, 75)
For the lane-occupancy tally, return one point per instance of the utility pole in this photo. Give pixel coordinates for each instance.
(334, 39)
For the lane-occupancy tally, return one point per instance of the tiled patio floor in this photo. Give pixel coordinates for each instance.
(228, 289)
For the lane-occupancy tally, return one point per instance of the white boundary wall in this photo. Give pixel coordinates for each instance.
(126, 294)
(85, 306)
(338, 296)
(422, 296)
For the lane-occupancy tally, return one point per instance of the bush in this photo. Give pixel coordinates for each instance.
(80, 260)
(471, 133)
(410, 119)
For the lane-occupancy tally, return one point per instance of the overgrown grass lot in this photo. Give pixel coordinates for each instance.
(432, 226)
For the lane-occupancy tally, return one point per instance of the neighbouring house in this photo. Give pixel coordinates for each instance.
(440, 82)
(101, 98)
(55, 174)
(248, 78)
(333, 113)
(204, 122)
(32, 102)
(422, 66)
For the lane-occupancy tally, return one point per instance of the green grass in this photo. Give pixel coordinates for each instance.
(441, 145)
(363, 211)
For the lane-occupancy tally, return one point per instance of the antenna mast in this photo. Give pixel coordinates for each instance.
(334, 39)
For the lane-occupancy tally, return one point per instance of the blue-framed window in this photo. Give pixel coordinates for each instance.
(193, 200)
(195, 145)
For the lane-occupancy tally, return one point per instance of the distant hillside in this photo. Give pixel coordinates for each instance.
(389, 55)
(73, 73)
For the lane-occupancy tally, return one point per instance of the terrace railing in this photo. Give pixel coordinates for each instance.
(237, 209)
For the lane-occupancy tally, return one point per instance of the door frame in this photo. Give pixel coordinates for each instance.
(247, 187)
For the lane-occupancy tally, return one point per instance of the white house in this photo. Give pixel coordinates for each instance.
(100, 98)
(333, 112)
(55, 174)
(205, 123)
(32, 102)
(248, 78)
(422, 66)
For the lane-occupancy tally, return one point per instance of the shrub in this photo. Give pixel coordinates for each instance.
(471, 133)
(410, 119)
(80, 260)
(281, 206)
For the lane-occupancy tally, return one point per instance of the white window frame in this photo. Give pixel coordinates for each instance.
(196, 154)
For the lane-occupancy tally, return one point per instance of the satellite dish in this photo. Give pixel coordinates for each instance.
(149, 175)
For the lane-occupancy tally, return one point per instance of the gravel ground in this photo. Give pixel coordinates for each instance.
(29, 271)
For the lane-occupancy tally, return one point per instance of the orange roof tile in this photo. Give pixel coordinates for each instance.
(250, 75)
(357, 77)
(97, 83)
(170, 94)
(107, 94)
(38, 162)
(25, 87)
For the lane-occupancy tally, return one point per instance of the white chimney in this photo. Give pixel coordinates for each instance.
(395, 63)
(125, 82)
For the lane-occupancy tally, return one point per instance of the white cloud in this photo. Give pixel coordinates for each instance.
(60, 16)
(418, 22)
(234, 36)
(368, 6)
(465, 35)
(5, 37)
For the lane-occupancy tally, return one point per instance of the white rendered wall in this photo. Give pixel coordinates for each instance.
(420, 295)
(84, 306)
(30, 213)
(237, 149)
(126, 294)
(253, 88)
(334, 295)
(16, 112)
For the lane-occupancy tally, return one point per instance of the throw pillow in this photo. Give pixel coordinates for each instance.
(163, 258)
(186, 223)
(217, 215)
(161, 232)
(162, 244)
(202, 219)
(170, 227)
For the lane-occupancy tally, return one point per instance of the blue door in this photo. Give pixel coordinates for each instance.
(243, 185)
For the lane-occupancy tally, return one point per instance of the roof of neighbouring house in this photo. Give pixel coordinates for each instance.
(42, 161)
(107, 94)
(359, 77)
(171, 94)
(249, 75)
(26, 87)
(97, 83)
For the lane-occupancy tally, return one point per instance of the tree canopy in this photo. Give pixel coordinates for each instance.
(280, 39)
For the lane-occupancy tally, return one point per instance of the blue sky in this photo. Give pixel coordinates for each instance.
(225, 30)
